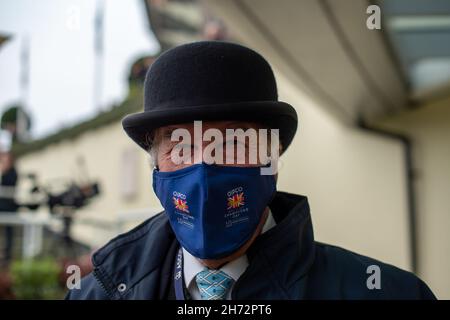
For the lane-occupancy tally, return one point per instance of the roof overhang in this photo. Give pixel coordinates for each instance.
(325, 49)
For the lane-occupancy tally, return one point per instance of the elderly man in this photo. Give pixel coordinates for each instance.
(226, 233)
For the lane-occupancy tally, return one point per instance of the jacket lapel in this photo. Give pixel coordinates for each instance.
(280, 258)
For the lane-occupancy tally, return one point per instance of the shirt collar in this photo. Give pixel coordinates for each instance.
(269, 224)
(235, 268)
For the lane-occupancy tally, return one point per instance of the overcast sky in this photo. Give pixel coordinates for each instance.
(62, 56)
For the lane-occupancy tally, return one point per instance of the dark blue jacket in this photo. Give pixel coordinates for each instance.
(284, 263)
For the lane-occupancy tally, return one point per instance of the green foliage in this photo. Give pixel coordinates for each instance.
(10, 117)
(36, 279)
(139, 70)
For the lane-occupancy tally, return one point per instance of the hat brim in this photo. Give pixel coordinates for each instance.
(273, 114)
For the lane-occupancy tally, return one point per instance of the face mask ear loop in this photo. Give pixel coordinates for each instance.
(274, 184)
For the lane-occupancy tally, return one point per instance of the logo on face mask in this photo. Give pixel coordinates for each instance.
(236, 198)
(180, 202)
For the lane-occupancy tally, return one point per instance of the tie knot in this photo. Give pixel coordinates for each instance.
(213, 284)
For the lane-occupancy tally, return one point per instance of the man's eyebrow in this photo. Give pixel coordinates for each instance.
(244, 127)
(240, 125)
(166, 133)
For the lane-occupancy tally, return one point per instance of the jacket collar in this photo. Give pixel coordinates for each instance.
(142, 259)
(137, 259)
(285, 253)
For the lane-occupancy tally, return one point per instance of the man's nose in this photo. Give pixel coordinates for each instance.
(199, 150)
(219, 153)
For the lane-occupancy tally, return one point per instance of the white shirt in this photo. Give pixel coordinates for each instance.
(235, 268)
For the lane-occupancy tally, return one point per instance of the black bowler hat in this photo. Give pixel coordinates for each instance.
(210, 80)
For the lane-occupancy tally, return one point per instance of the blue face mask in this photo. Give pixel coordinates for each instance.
(214, 210)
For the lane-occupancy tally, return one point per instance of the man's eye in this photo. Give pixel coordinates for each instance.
(235, 143)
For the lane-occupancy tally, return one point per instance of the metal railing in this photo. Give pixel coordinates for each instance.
(32, 225)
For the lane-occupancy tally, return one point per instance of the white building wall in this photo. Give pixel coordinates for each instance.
(428, 127)
(106, 151)
(354, 180)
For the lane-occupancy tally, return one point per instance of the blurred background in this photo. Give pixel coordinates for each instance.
(372, 152)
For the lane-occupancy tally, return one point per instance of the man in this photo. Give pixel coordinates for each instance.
(226, 233)
(7, 203)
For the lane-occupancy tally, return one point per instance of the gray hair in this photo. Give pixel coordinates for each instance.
(153, 142)
(153, 152)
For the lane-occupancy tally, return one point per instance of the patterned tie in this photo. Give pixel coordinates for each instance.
(213, 284)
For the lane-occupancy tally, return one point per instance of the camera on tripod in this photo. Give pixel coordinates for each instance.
(73, 196)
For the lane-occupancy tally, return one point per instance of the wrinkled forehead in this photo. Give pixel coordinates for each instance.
(167, 131)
